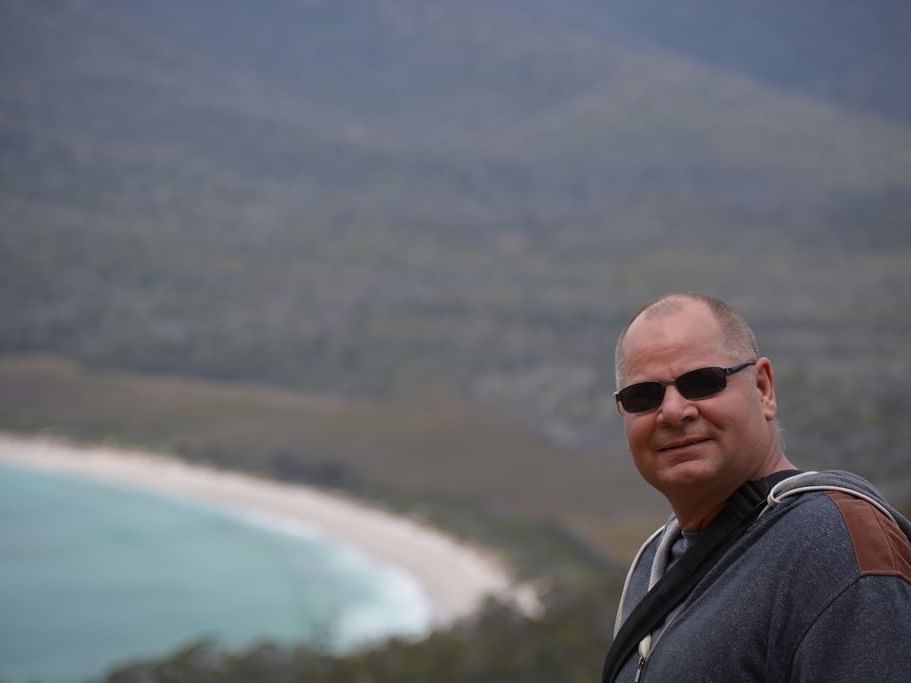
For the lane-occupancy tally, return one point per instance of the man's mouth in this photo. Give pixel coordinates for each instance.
(682, 443)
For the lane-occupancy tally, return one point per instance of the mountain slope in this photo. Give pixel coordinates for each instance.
(845, 53)
(365, 103)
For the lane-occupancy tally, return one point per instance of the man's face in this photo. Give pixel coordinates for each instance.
(707, 447)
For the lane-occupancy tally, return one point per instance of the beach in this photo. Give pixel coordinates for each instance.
(455, 576)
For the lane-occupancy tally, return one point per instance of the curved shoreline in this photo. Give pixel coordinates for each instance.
(455, 576)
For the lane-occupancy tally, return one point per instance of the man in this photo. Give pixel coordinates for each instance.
(813, 585)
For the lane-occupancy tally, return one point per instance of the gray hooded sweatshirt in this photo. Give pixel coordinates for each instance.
(817, 589)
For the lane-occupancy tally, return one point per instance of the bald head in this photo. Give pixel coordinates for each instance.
(735, 331)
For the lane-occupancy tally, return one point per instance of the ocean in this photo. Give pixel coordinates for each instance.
(92, 575)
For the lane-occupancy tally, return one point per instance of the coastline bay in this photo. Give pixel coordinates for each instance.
(93, 574)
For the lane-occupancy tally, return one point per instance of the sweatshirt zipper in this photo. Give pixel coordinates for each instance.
(644, 649)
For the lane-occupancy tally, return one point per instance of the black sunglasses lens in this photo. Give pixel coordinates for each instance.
(639, 398)
(701, 383)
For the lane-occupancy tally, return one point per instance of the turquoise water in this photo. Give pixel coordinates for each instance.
(91, 575)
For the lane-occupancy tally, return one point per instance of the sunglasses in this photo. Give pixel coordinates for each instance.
(643, 397)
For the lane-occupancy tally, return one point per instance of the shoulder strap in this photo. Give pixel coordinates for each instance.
(741, 509)
(841, 481)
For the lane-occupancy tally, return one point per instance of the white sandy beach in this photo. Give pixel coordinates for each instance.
(455, 576)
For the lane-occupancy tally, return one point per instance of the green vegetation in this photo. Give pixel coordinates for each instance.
(497, 645)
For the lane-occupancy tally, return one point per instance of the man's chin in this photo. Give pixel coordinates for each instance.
(686, 476)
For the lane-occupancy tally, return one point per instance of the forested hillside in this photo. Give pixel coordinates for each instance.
(350, 198)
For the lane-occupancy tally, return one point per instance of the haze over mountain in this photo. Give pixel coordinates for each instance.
(360, 197)
(480, 116)
(848, 53)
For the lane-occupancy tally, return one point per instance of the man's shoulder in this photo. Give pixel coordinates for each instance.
(880, 546)
(838, 524)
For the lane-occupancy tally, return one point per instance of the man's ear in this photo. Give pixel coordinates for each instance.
(765, 385)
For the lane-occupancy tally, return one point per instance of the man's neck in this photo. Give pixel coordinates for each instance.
(695, 514)
(694, 522)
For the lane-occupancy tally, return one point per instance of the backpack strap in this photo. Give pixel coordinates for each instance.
(740, 511)
(825, 481)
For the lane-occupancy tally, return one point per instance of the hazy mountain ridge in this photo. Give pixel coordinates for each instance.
(846, 53)
(441, 77)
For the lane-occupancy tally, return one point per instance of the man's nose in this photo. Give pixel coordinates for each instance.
(676, 408)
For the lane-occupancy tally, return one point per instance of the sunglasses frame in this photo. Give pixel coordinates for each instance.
(725, 373)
